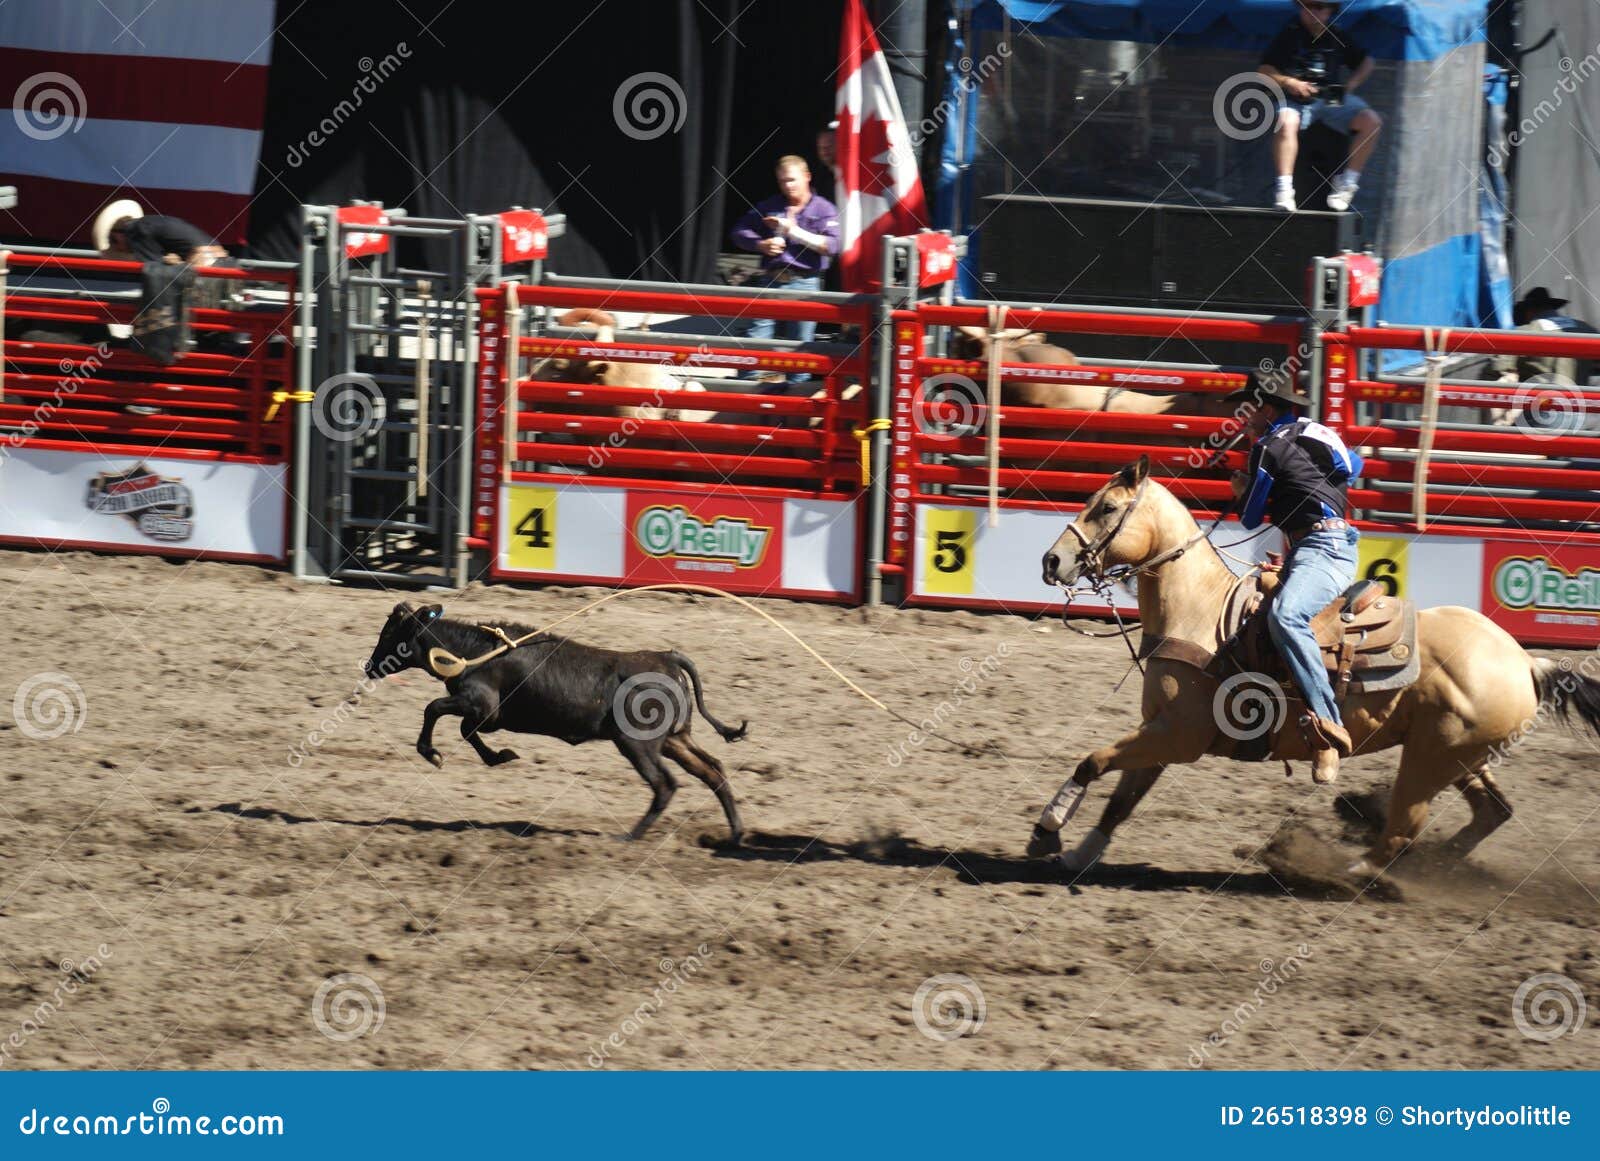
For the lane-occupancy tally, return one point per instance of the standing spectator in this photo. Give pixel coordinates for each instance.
(1304, 60)
(796, 232)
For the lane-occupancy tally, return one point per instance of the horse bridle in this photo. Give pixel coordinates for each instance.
(1091, 566)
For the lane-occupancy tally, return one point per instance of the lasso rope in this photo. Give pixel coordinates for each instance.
(447, 665)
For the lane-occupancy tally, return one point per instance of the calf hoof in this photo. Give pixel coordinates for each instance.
(1044, 843)
(505, 756)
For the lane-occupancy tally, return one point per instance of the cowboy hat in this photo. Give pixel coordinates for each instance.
(1261, 388)
(110, 216)
(1536, 302)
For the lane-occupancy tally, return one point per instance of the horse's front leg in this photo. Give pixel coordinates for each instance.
(1130, 791)
(1151, 747)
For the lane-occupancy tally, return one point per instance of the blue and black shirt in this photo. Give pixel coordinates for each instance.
(1299, 472)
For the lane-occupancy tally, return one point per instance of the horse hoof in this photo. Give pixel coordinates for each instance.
(436, 758)
(1086, 854)
(1044, 843)
(505, 756)
(1362, 869)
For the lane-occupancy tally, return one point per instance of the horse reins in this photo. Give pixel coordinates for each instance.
(1101, 579)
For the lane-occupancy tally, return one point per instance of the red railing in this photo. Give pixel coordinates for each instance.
(1541, 477)
(1053, 456)
(98, 394)
(738, 437)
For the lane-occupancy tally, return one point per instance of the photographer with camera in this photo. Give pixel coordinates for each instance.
(1305, 61)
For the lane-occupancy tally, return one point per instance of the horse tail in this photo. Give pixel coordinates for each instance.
(728, 733)
(1568, 691)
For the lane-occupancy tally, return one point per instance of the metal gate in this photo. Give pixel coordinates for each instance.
(383, 451)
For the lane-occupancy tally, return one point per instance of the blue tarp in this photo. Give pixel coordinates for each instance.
(1390, 29)
(1453, 278)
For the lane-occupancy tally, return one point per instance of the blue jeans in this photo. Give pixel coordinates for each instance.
(1321, 567)
(766, 328)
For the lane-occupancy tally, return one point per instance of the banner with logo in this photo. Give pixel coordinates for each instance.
(1548, 595)
(186, 507)
(795, 547)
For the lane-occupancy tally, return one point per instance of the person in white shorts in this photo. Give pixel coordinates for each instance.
(1305, 61)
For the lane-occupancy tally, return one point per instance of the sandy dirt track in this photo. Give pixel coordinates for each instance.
(229, 866)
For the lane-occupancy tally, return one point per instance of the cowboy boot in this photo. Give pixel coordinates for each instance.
(1324, 766)
(1324, 734)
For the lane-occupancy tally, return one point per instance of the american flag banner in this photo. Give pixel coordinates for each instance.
(160, 101)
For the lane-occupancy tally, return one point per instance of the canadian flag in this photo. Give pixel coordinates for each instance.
(880, 191)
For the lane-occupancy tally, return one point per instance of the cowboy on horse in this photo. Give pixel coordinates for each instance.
(1298, 473)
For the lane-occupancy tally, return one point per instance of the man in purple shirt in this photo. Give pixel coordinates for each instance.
(797, 234)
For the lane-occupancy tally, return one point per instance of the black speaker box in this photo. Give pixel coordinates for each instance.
(1120, 253)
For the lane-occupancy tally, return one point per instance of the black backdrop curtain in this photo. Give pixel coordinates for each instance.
(496, 106)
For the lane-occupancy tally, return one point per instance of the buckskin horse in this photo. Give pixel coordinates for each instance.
(1451, 691)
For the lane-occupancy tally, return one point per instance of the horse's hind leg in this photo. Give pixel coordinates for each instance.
(1423, 773)
(681, 748)
(1489, 810)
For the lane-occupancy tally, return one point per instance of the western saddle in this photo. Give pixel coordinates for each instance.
(1368, 640)
(1366, 637)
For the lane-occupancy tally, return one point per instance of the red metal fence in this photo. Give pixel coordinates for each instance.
(111, 411)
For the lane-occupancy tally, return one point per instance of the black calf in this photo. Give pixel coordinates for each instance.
(550, 685)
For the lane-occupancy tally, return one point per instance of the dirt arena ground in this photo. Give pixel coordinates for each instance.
(204, 866)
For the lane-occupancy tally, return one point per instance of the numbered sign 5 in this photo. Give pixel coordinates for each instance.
(948, 555)
(531, 520)
(1384, 559)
